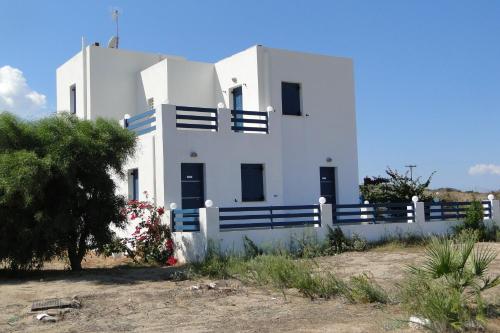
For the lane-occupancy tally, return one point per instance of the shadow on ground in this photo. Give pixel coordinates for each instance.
(124, 274)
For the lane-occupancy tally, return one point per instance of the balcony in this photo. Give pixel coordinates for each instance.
(189, 118)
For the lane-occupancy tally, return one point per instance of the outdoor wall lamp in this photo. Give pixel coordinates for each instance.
(329, 159)
(193, 154)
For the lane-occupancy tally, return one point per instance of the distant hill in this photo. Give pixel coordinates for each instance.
(453, 194)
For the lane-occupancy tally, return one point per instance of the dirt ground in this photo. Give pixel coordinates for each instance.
(124, 299)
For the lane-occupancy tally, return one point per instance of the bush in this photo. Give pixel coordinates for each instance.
(151, 241)
(473, 220)
(446, 289)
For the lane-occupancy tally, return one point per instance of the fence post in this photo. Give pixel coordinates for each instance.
(495, 209)
(209, 226)
(419, 210)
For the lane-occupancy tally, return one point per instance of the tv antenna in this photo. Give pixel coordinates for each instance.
(411, 166)
(113, 42)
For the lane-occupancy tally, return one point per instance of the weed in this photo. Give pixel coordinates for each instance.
(362, 289)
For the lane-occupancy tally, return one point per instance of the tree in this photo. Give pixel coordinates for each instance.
(57, 195)
(396, 187)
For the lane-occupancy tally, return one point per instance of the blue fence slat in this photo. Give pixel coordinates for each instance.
(249, 113)
(140, 116)
(195, 109)
(144, 131)
(186, 211)
(264, 208)
(248, 128)
(199, 126)
(186, 219)
(141, 123)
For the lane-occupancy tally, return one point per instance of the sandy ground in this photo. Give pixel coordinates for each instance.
(123, 299)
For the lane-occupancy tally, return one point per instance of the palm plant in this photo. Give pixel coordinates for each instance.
(446, 288)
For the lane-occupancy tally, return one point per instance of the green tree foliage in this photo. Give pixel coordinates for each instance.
(396, 187)
(57, 195)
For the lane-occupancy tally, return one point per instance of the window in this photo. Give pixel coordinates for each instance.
(290, 98)
(237, 94)
(252, 182)
(72, 99)
(133, 184)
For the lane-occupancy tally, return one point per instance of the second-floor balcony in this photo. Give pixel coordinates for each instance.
(189, 118)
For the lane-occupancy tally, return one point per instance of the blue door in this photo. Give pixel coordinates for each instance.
(238, 104)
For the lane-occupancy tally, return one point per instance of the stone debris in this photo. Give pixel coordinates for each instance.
(222, 286)
(417, 322)
(46, 318)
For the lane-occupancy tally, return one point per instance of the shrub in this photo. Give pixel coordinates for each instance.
(446, 288)
(473, 220)
(358, 243)
(251, 249)
(151, 241)
(396, 187)
(336, 239)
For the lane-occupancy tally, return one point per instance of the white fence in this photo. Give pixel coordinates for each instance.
(279, 225)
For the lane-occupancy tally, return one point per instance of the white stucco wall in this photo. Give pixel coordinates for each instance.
(327, 127)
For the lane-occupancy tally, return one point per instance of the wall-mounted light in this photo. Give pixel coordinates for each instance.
(234, 80)
(269, 108)
(329, 159)
(193, 154)
(209, 203)
(221, 105)
(173, 205)
(322, 200)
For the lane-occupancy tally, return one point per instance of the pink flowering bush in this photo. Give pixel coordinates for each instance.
(151, 242)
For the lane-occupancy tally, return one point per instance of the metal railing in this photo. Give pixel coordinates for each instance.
(456, 210)
(373, 213)
(269, 217)
(257, 122)
(185, 220)
(188, 117)
(141, 123)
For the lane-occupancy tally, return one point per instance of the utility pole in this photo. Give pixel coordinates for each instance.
(411, 166)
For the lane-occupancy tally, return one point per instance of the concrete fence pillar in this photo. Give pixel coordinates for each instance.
(224, 119)
(209, 227)
(419, 212)
(325, 211)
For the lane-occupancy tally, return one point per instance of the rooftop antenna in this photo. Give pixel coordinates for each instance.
(113, 42)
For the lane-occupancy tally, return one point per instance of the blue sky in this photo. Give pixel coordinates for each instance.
(427, 72)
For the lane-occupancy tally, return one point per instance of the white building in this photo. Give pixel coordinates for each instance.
(297, 143)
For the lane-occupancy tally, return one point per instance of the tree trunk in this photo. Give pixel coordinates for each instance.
(74, 260)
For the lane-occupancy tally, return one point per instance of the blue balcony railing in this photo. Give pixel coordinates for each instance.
(142, 123)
